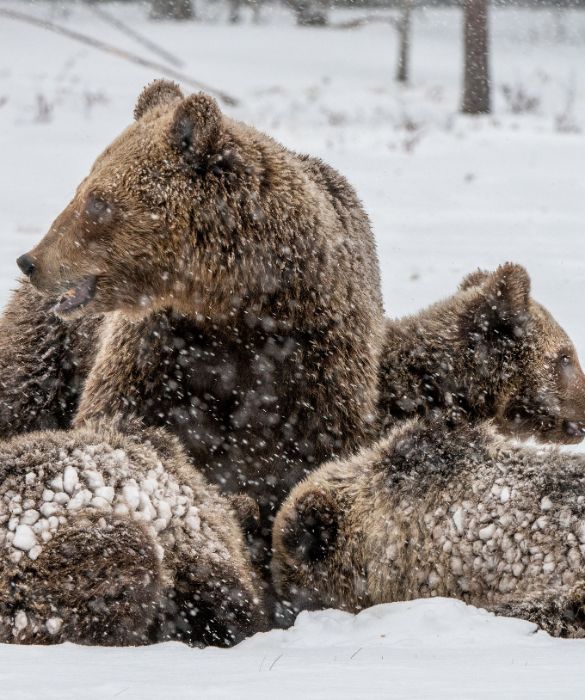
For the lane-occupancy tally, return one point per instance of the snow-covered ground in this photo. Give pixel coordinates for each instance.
(424, 650)
(446, 194)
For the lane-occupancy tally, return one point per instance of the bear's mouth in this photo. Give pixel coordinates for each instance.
(76, 297)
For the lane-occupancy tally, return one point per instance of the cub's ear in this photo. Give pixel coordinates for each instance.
(196, 129)
(247, 512)
(502, 305)
(474, 279)
(509, 288)
(158, 92)
(310, 531)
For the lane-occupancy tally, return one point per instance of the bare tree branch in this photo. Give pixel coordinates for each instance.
(133, 34)
(121, 53)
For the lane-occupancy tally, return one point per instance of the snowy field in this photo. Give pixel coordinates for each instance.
(446, 194)
(424, 650)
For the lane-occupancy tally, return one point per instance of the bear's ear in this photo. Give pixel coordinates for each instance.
(156, 93)
(509, 288)
(502, 305)
(247, 512)
(310, 533)
(196, 128)
(474, 279)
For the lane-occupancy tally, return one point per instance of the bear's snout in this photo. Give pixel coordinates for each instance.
(26, 264)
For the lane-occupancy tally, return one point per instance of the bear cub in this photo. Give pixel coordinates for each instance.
(443, 505)
(434, 510)
(112, 538)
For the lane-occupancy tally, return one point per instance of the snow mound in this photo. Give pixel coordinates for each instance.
(425, 622)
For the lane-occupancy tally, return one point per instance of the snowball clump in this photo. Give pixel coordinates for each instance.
(97, 477)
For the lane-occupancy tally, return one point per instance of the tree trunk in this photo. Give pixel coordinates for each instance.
(235, 9)
(311, 13)
(171, 9)
(403, 66)
(476, 81)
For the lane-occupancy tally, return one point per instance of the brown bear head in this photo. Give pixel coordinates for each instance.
(489, 351)
(540, 387)
(130, 238)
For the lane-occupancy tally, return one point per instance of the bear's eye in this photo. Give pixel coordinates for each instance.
(564, 360)
(98, 209)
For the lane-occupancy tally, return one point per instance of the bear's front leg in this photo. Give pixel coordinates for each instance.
(128, 370)
(211, 602)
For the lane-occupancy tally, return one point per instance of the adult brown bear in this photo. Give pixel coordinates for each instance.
(239, 288)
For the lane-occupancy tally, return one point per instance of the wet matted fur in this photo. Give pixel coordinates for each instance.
(433, 510)
(111, 538)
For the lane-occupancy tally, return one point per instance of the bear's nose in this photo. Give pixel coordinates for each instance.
(26, 264)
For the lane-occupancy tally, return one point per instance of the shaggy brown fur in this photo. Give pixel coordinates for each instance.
(373, 529)
(98, 581)
(241, 292)
(116, 539)
(431, 511)
(488, 351)
(43, 363)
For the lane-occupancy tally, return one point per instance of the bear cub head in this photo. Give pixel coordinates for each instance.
(132, 236)
(490, 351)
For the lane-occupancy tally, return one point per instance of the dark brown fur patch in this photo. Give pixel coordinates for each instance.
(102, 580)
(43, 363)
(312, 533)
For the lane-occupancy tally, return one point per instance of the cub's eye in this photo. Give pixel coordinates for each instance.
(97, 209)
(565, 360)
